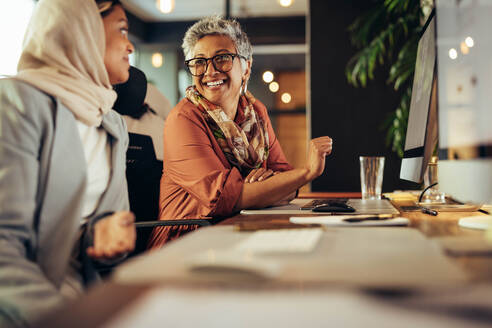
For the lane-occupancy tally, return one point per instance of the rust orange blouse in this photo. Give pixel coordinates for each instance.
(198, 181)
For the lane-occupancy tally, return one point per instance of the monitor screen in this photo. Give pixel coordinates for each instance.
(421, 134)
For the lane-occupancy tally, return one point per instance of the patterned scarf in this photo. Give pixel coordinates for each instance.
(245, 143)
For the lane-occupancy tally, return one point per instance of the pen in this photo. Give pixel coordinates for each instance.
(428, 211)
(369, 218)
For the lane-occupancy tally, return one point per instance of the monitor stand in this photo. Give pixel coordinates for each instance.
(476, 222)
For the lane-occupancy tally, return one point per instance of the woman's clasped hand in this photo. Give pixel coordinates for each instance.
(113, 236)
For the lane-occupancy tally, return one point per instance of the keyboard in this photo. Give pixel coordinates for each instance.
(281, 240)
(318, 202)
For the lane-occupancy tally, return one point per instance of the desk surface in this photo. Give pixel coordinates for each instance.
(479, 268)
(110, 299)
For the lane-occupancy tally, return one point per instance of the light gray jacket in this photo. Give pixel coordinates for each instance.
(42, 183)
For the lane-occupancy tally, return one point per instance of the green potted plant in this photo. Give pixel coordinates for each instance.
(388, 33)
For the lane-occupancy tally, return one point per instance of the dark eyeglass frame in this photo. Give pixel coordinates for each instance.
(187, 62)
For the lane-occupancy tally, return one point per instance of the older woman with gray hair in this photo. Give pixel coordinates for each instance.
(221, 154)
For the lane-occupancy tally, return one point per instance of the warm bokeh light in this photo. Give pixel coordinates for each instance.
(464, 48)
(286, 98)
(273, 87)
(285, 3)
(157, 59)
(165, 6)
(267, 76)
(469, 42)
(453, 54)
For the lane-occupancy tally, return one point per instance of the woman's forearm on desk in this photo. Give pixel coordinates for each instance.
(278, 187)
(272, 190)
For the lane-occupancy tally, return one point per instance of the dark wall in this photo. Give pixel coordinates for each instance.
(351, 116)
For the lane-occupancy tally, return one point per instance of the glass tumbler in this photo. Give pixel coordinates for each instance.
(371, 176)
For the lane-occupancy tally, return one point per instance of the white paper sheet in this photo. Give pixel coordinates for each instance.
(338, 221)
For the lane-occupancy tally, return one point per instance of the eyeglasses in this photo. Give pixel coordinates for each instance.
(222, 63)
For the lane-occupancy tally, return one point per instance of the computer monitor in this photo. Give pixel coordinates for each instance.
(464, 57)
(421, 134)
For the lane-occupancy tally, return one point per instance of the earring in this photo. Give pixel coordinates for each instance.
(244, 86)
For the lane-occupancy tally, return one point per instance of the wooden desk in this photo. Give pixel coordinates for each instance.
(110, 299)
(479, 268)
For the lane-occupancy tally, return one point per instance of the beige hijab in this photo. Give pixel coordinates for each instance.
(63, 55)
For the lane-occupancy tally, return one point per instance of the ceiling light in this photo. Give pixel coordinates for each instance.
(286, 98)
(165, 6)
(469, 42)
(453, 54)
(285, 3)
(157, 59)
(273, 87)
(267, 76)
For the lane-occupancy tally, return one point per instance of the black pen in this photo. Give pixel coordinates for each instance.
(369, 218)
(428, 211)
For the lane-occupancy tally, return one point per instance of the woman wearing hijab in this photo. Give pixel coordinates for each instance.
(220, 151)
(63, 196)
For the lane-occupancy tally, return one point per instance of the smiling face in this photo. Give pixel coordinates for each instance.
(221, 89)
(118, 47)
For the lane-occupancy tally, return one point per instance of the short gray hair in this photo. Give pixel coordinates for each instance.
(219, 26)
